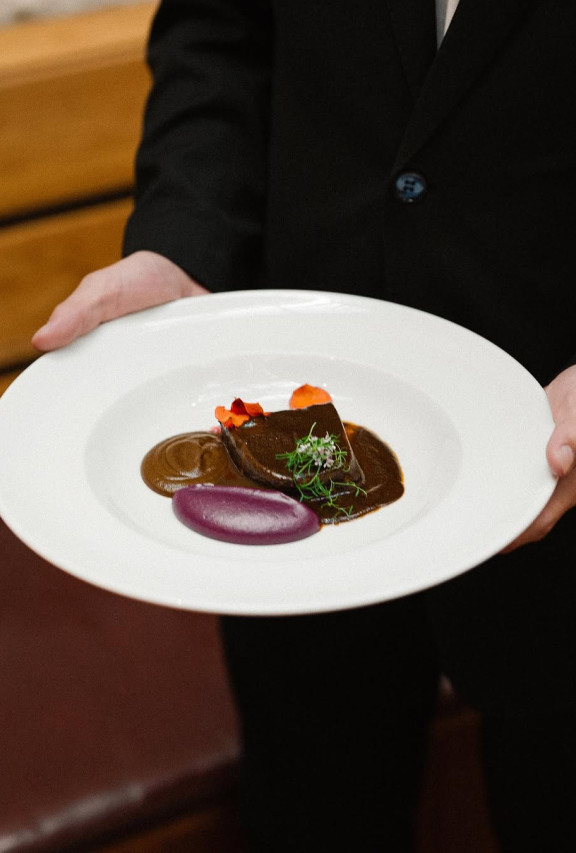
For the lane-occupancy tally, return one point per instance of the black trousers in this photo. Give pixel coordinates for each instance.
(335, 711)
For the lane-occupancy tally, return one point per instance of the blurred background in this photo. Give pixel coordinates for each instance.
(72, 87)
(13, 11)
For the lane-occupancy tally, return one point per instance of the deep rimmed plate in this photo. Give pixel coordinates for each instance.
(468, 423)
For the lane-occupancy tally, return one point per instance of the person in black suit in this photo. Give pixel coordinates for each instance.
(331, 145)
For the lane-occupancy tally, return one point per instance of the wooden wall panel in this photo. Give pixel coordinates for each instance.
(6, 379)
(71, 97)
(41, 262)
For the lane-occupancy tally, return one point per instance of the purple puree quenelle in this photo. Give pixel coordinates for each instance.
(244, 516)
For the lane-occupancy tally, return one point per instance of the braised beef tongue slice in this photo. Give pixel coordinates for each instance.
(254, 447)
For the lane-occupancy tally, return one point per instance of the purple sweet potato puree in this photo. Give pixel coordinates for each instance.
(244, 516)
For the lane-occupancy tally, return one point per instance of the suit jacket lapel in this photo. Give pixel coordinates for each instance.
(414, 25)
(477, 31)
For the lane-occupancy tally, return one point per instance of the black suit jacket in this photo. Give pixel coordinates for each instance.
(274, 137)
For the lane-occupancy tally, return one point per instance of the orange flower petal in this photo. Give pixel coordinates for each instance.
(238, 413)
(230, 419)
(239, 407)
(254, 409)
(237, 420)
(308, 395)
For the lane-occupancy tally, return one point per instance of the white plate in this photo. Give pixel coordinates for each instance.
(468, 423)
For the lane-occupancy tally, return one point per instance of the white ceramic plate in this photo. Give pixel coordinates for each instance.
(468, 424)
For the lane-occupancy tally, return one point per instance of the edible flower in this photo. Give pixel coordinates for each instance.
(308, 395)
(238, 413)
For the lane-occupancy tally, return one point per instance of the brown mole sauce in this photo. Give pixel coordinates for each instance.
(200, 457)
(189, 458)
(383, 477)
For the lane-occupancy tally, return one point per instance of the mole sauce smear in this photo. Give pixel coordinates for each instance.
(188, 459)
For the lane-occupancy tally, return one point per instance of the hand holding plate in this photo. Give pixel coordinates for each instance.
(139, 281)
(561, 455)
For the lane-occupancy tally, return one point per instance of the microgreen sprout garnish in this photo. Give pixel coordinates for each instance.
(312, 455)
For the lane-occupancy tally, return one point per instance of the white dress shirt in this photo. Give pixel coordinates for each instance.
(444, 11)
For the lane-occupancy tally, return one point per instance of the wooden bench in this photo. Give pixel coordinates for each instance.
(118, 729)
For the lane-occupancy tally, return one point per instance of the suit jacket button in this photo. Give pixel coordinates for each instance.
(409, 186)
